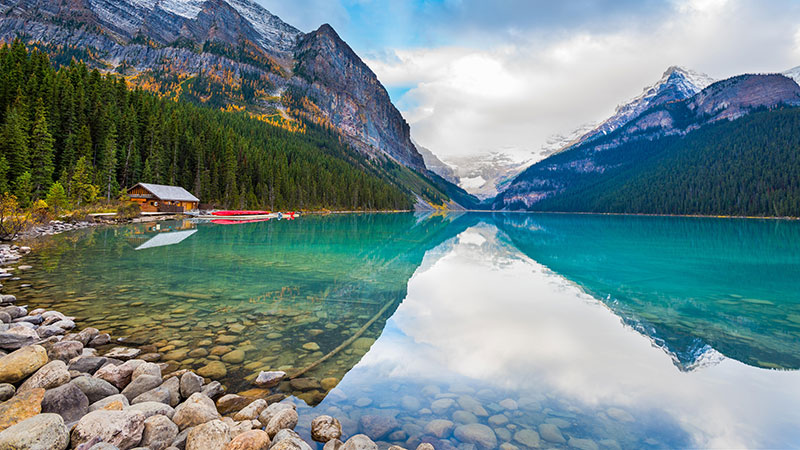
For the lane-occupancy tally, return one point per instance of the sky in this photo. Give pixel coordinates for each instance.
(479, 76)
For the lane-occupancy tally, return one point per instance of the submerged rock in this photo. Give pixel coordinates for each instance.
(478, 434)
(551, 433)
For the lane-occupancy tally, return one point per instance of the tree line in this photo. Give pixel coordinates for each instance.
(79, 136)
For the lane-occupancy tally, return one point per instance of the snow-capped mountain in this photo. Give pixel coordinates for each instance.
(485, 175)
(436, 165)
(793, 74)
(677, 83)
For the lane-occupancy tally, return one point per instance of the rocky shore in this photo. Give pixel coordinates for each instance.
(63, 388)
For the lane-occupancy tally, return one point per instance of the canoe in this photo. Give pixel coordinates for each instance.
(240, 213)
(235, 222)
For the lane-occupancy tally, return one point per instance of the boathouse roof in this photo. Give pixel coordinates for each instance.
(164, 192)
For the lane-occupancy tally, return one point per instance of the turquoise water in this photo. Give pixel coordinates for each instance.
(550, 330)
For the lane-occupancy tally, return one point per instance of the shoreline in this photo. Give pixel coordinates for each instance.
(63, 388)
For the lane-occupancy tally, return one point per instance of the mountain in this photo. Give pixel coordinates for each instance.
(695, 149)
(436, 165)
(486, 175)
(677, 83)
(793, 74)
(228, 54)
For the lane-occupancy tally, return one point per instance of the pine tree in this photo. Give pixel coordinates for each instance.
(83, 191)
(41, 153)
(57, 198)
(24, 187)
(108, 166)
(14, 142)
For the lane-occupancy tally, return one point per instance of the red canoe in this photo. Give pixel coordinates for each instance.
(235, 222)
(240, 213)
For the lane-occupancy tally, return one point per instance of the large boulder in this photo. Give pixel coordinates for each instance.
(64, 350)
(120, 428)
(325, 428)
(250, 440)
(196, 410)
(140, 385)
(147, 368)
(21, 407)
(212, 435)
(19, 364)
(50, 375)
(173, 385)
(284, 419)
(108, 402)
(118, 375)
(159, 432)
(190, 383)
(229, 403)
(68, 401)
(159, 394)
(288, 440)
(40, 432)
(88, 364)
(95, 388)
(251, 411)
(273, 409)
(359, 442)
(150, 409)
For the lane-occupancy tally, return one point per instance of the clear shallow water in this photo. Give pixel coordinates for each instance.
(616, 332)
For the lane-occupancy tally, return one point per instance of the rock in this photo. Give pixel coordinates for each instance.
(7, 391)
(150, 409)
(509, 404)
(159, 394)
(283, 419)
(441, 405)
(95, 388)
(551, 433)
(478, 434)
(103, 403)
(231, 403)
(250, 440)
(333, 444)
(18, 364)
(40, 432)
(214, 369)
(5, 317)
(120, 428)
(86, 335)
(440, 428)
(180, 439)
(329, 383)
(50, 375)
(305, 384)
(470, 404)
(118, 375)
(123, 353)
(46, 331)
(213, 389)
(464, 417)
(66, 324)
(100, 339)
(213, 435)
(582, 444)
(288, 440)
(12, 341)
(498, 420)
(159, 432)
(251, 411)
(620, 415)
(146, 369)
(325, 428)
(359, 442)
(21, 407)
(64, 350)
(234, 357)
(271, 410)
(68, 401)
(190, 383)
(377, 426)
(197, 409)
(528, 438)
(88, 364)
(140, 385)
(269, 379)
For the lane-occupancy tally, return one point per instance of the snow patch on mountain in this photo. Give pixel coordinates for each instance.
(273, 30)
(793, 74)
(677, 83)
(184, 8)
(485, 175)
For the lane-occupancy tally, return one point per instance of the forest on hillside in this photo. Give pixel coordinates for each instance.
(746, 167)
(92, 135)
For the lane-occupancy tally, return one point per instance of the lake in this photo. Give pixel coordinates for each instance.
(465, 330)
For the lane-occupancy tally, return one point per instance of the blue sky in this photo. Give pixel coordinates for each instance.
(476, 76)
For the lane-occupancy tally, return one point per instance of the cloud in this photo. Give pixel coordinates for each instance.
(515, 93)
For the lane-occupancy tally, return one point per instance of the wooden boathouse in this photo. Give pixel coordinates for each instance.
(162, 198)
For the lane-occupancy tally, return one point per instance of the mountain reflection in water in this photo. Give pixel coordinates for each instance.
(620, 331)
